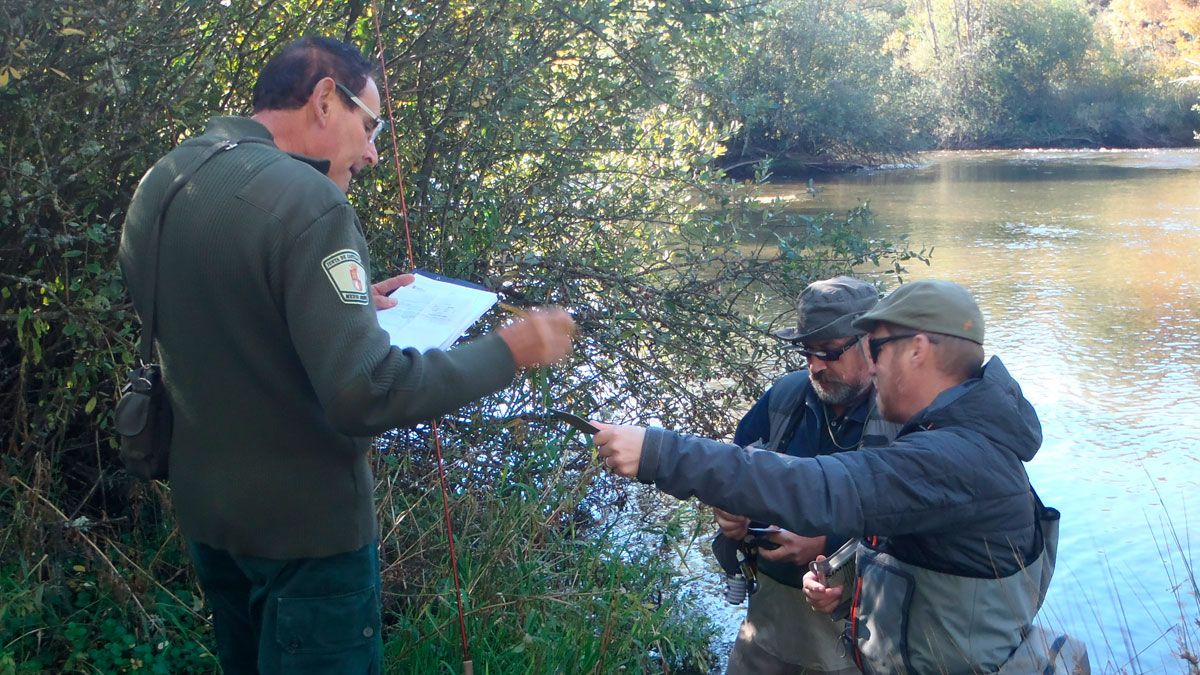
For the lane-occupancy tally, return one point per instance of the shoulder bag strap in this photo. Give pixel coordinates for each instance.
(146, 345)
(785, 409)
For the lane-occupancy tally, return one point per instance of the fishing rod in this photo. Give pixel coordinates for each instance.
(468, 666)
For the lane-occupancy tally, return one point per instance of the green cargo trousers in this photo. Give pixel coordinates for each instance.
(310, 615)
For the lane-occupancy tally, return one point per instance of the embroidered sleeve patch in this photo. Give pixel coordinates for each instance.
(349, 278)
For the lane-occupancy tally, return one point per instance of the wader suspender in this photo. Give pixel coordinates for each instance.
(786, 396)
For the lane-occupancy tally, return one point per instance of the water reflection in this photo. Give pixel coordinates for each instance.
(1085, 266)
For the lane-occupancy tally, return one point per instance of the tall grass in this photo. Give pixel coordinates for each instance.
(553, 579)
(1175, 551)
(552, 582)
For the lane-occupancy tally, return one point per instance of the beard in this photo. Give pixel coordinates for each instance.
(835, 391)
(886, 412)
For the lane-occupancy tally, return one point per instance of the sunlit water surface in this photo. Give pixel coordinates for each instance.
(1087, 267)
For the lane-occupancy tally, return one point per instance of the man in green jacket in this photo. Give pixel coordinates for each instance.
(278, 371)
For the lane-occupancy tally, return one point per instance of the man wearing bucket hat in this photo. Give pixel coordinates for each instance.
(825, 408)
(955, 551)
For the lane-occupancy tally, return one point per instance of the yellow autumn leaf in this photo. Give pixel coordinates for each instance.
(71, 31)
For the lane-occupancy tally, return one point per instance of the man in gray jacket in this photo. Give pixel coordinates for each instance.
(957, 551)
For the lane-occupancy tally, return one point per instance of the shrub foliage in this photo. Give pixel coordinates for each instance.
(557, 152)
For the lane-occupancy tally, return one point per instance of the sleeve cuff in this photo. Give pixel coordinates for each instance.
(651, 449)
(490, 360)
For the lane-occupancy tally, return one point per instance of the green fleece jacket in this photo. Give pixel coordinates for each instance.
(275, 363)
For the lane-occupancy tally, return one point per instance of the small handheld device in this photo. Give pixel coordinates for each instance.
(839, 568)
(760, 537)
(575, 421)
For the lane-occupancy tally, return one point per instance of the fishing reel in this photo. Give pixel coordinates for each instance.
(738, 559)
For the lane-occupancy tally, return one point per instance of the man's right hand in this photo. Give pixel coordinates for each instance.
(732, 525)
(822, 598)
(540, 337)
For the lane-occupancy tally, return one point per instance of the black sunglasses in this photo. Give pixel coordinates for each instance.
(875, 345)
(825, 354)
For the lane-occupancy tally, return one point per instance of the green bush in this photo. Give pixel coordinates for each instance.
(814, 84)
(77, 623)
(552, 151)
(813, 81)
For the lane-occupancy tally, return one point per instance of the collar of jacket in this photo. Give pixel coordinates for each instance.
(243, 127)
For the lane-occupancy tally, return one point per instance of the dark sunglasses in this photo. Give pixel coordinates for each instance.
(825, 354)
(875, 345)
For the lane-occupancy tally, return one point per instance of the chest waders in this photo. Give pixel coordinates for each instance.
(785, 626)
(907, 620)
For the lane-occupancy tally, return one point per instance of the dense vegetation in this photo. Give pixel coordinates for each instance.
(558, 152)
(828, 82)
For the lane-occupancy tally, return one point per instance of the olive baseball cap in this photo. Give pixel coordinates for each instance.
(825, 310)
(929, 305)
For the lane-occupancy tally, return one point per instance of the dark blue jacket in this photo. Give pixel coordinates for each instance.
(809, 436)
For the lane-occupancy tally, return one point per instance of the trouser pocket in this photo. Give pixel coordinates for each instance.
(329, 634)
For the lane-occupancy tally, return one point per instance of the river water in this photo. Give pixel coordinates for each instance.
(1087, 267)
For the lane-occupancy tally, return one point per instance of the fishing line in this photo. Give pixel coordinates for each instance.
(468, 665)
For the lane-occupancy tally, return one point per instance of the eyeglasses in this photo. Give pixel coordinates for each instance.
(825, 354)
(379, 122)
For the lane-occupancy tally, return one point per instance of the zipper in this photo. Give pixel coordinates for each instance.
(858, 660)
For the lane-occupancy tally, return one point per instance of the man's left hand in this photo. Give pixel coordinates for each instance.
(793, 549)
(379, 291)
(620, 446)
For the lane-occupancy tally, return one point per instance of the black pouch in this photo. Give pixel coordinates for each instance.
(144, 421)
(143, 415)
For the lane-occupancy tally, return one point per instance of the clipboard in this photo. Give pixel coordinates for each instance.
(433, 311)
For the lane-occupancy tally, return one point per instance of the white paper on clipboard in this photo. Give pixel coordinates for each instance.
(434, 311)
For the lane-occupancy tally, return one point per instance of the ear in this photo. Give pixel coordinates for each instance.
(921, 349)
(321, 100)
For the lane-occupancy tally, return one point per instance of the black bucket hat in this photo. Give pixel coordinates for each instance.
(826, 310)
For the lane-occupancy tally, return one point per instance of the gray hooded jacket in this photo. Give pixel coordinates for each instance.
(950, 495)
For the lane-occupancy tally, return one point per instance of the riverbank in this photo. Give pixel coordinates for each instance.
(549, 586)
(796, 167)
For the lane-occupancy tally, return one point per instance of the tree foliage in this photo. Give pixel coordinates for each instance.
(827, 82)
(1017, 72)
(813, 79)
(1165, 31)
(557, 152)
